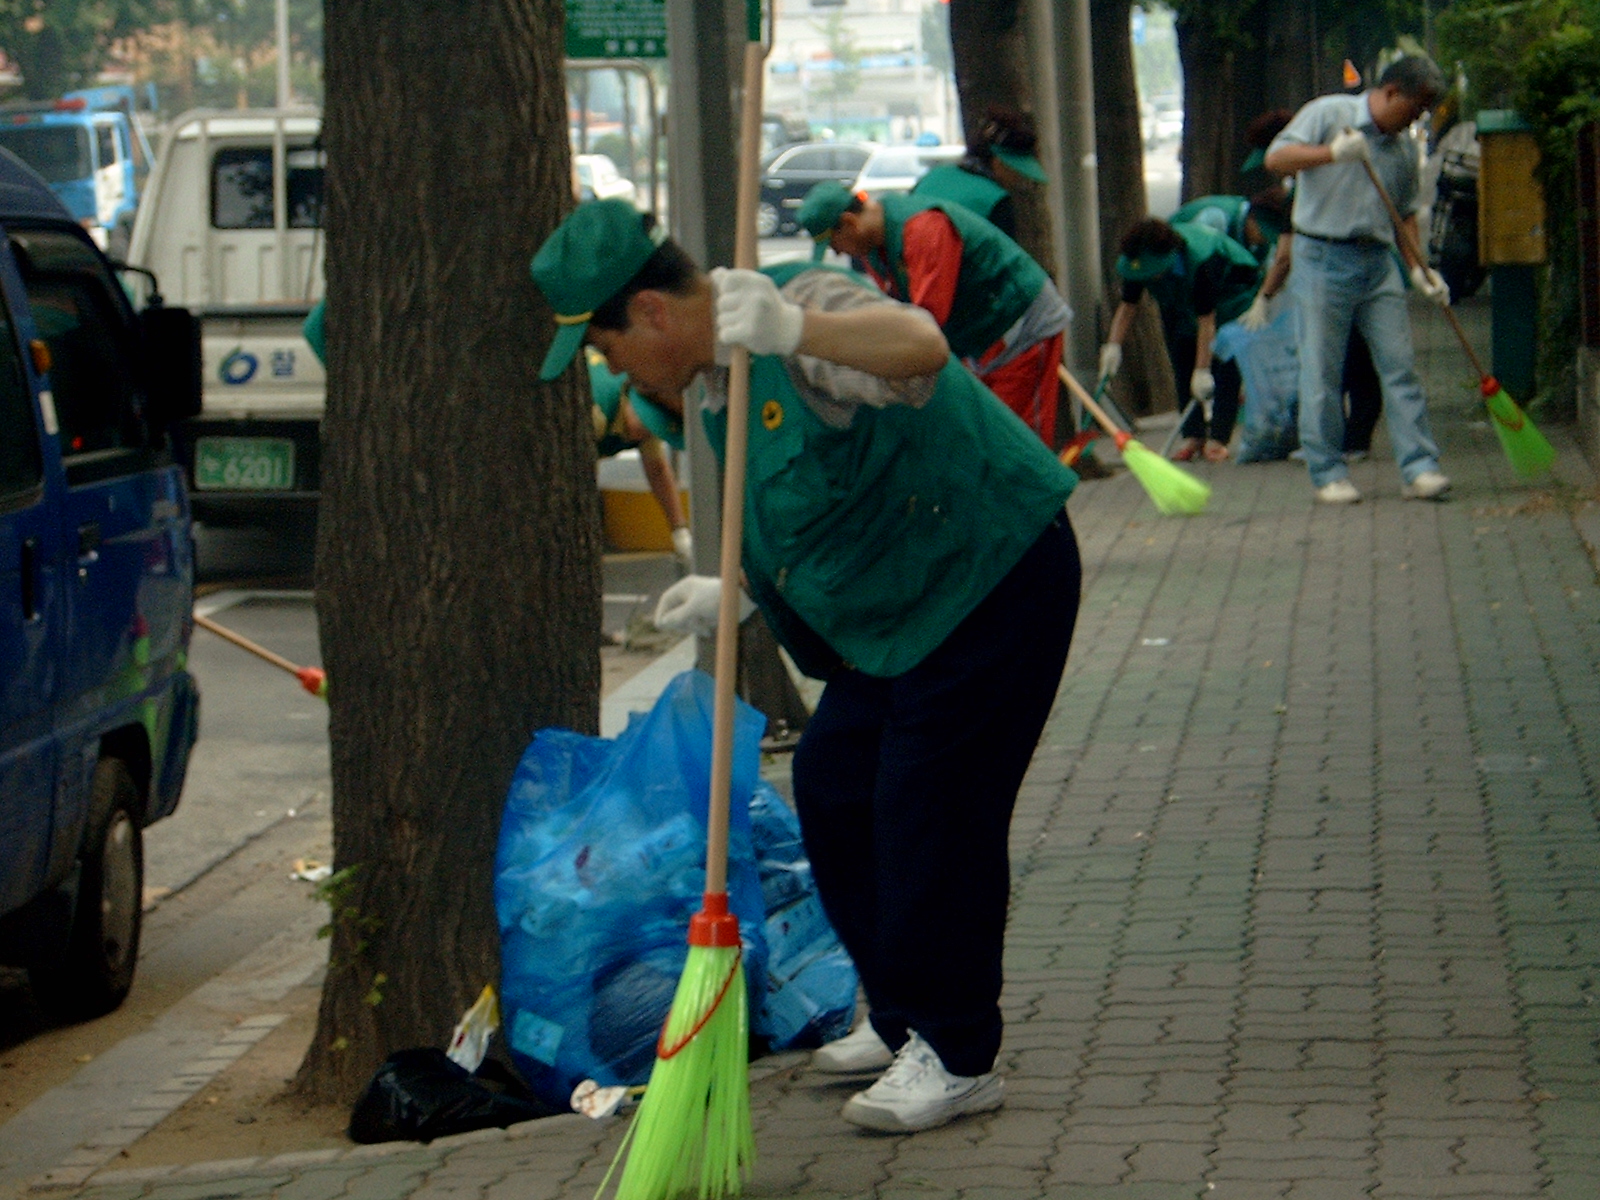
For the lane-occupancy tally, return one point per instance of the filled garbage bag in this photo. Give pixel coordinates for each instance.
(811, 982)
(1269, 422)
(600, 866)
(419, 1095)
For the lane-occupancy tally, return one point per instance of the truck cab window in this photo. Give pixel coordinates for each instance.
(58, 152)
(20, 468)
(241, 187)
(91, 344)
(105, 141)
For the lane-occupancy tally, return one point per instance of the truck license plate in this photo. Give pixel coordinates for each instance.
(244, 464)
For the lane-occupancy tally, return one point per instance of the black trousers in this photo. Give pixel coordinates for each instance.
(905, 788)
(1182, 351)
(1365, 392)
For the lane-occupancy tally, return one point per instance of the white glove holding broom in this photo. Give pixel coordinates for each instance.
(690, 606)
(1431, 284)
(752, 313)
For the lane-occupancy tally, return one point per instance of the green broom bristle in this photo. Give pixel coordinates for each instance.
(693, 1128)
(1525, 447)
(1170, 488)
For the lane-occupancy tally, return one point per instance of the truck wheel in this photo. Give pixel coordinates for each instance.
(94, 974)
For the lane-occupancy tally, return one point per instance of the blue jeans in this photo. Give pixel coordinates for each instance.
(1336, 285)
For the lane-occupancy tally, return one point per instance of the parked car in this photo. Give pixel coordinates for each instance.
(599, 179)
(897, 168)
(789, 172)
(98, 711)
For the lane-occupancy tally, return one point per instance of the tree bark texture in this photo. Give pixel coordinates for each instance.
(1144, 384)
(458, 585)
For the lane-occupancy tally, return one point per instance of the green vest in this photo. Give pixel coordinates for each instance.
(1174, 292)
(881, 538)
(998, 280)
(1234, 210)
(976, 193)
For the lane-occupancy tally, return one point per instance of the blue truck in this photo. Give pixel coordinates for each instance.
(98, 710)
(91, 150)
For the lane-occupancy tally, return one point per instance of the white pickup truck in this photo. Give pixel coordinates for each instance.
(230, 225)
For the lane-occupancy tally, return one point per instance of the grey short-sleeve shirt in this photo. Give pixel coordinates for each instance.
(1338, 200)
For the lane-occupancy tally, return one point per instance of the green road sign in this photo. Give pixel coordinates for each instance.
(629, 28)
(616, 28)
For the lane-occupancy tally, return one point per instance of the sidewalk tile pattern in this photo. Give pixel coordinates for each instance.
(1307, 876)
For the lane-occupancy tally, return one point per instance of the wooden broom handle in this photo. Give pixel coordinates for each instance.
(245, 643)
(1094, 409)
(1404, 234)
(733, 473)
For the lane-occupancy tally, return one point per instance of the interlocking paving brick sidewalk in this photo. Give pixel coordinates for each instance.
(1307, 877)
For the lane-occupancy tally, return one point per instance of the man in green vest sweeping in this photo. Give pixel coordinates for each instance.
(999, 311)
(1200, 279)
(905, 538)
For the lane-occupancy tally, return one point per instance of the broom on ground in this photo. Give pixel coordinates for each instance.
(1525, 447)
(693, 1130)
(313, 679)
(1170, 488)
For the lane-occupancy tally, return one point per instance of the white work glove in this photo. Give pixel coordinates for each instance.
(1431, 284)
(751, 313)
(683, 545)
(1255, 317)
(690, 605)
(1349, 145)
(1202, 387)
(1110, 359)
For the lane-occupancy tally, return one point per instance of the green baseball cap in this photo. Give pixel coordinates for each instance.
(820, 212)
(1146, 267)
(588, 259)
(1258, 158)
(1025, 165)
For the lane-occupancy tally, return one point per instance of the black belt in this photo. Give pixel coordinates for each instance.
(1347, 241)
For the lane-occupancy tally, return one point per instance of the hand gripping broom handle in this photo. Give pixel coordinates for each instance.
(733, 471)
(1118, 434)
(1404, 234)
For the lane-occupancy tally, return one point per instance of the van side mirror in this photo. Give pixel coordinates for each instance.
(172, 371)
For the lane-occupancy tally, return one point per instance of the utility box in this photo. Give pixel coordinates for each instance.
(1511, 213)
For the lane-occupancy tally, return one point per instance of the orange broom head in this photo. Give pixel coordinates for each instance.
(714, 925)
(1525, 447)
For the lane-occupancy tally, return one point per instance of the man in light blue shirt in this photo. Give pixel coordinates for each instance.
(1346, 273)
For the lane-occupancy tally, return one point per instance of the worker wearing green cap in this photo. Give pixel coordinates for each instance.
(624, 420)
(1200, 279)
(998, 309)
(998, 160)
(906, 540)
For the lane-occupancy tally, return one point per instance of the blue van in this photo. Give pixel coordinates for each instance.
(98, 711)
(91, 150)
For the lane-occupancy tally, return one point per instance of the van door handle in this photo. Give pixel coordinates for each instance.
(88, 546)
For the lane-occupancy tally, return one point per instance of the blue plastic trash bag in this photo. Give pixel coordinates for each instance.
(600, 866)
(1269, 425)
(811, 981)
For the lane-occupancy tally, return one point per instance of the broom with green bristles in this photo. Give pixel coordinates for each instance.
(1525, 447)
(693, 1131)
(1170, 488)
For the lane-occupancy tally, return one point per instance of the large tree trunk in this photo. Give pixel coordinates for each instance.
(1145, 382)
(989, 46)
(458, 585)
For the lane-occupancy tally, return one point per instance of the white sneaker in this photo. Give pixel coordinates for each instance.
(857, 1051)
(1340, 491)
(916, 1092)
(1430, 485)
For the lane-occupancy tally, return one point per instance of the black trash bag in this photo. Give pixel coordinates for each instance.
(419, 1095)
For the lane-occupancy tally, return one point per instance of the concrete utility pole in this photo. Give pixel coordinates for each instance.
(701, 191)
(1065, 116)
(283, 53)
